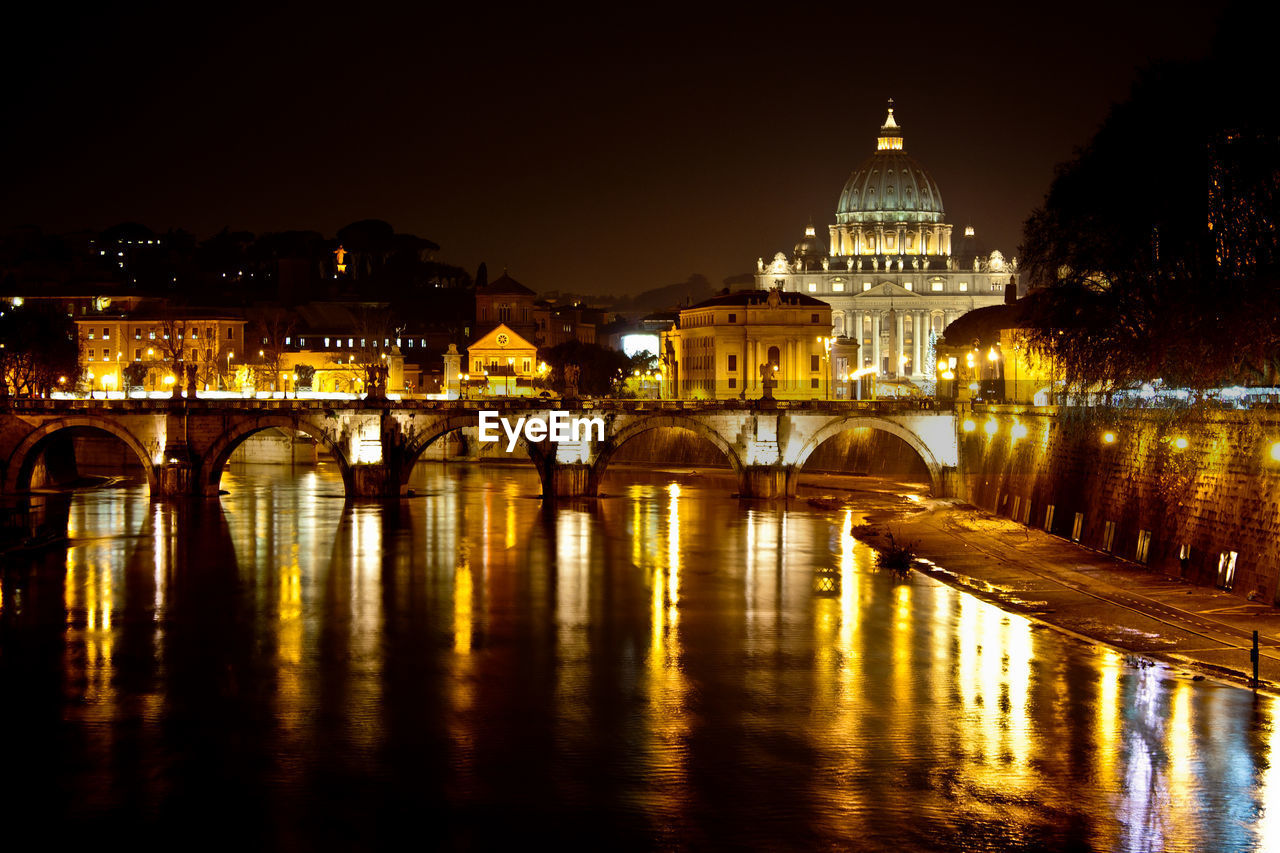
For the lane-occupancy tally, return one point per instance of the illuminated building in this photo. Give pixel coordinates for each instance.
(152, 337)
(502, 363)
(718, 347)
(888, 270)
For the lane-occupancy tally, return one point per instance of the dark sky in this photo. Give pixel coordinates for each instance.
(603, 152)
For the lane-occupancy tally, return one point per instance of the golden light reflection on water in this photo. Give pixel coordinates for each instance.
(685, 660)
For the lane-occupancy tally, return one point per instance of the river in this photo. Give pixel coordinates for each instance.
(662, 668)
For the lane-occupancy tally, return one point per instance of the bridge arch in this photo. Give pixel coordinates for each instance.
(23, 459)
(836, 427)
(659, 421)
(441, 427)
(215, 459)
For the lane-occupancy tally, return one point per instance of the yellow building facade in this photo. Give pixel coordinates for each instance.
(111, 343)
(722, 349)
(501, 363)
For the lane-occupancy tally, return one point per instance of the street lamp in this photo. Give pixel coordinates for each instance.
(826, 343)
(91, 378)
(511, 369)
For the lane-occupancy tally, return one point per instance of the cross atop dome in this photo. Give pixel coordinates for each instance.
(890, 133)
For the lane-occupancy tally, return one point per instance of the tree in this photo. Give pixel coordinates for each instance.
(271, 328)
(38, 348)
(135, 376)
(1128, 284)
(599, 368)
(306, 376)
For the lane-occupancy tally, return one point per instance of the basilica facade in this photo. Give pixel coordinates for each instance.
(893, 270)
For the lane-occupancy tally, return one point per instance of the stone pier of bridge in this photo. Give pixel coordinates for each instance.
(183, 446)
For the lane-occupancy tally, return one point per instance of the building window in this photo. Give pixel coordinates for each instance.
(208, 332)
(866, 285)
(935, 286)
(525, 366)
(733, 382)
(813, 288)
(90, 354)
(733, 318)
(733, 362)
(964, 286)
(231, 333)
(813, 383)
(909, 286)
(208, 355)
(137, 334)
(195, 335)
(326, 343)
(479, 366)
(838, 287)
(91, 334)
(813, 318)
(151, 334)
(106, 334)
(814, 362)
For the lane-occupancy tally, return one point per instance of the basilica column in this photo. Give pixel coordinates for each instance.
(875, 341)
(899, 348)
(920, 338)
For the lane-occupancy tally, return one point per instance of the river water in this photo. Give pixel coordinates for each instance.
(662, 668)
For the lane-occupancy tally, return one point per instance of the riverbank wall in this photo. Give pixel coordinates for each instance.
(1193, 494)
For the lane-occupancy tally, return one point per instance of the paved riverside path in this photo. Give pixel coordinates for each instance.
(1088, 593)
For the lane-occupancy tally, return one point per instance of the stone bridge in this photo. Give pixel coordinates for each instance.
(184, 445)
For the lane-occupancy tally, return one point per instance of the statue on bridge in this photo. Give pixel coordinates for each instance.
(768, 380)
(571, 372)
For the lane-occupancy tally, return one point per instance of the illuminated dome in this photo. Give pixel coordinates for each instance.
(890, 186)
(810, 246)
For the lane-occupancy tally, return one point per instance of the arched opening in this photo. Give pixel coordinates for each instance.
(268, 450)
(80, 453)
(429, 462)
(861, 453)
(666, 449)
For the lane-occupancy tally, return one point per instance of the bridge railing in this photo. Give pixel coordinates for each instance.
(503, 403)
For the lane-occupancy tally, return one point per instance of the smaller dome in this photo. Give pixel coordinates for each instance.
(810, 248)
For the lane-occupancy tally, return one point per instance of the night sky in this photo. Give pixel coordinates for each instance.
(604, 152)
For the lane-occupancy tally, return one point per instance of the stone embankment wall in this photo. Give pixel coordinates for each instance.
(1188, 493)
